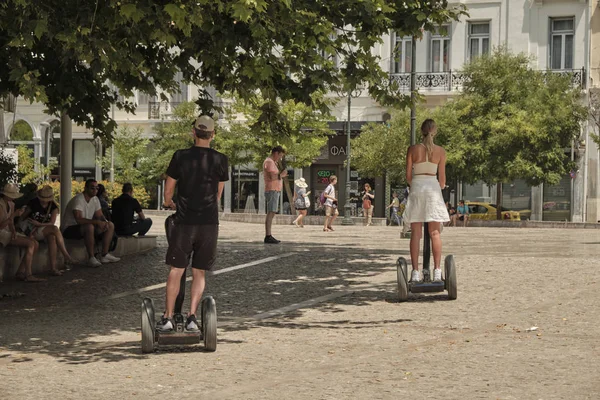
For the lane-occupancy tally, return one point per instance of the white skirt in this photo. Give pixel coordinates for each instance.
(425, 201)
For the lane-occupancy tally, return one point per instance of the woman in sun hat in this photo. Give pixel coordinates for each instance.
(301, 201)
(39, 222)
(8, 233)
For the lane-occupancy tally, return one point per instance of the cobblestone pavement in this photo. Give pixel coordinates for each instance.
(74, 337)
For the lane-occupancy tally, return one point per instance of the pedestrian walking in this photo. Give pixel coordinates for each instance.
(425, 201)
(301, 201)
(331, 208)
(395, 206)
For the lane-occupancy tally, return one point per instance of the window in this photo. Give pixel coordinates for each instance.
(561, 43)
(402, 54)
(440, 50)
(479, 39)
(144, 99)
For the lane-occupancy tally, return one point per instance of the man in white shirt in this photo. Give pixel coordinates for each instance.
(84, 220)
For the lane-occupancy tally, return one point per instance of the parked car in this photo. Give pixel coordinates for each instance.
(487, 211)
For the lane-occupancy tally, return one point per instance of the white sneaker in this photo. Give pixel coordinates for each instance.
(93, 262)
(109, 258)
(415, 276)
(437, 275)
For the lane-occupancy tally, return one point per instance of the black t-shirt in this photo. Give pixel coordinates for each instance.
(39, 213)
(123, 208)
(198, 171)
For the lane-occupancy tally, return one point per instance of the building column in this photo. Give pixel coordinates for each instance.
(261, 193)
(578, 192)
(537, 201)
(98, 173)
(227, 194)
(66, 162)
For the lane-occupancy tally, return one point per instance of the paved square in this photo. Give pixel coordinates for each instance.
(316, 317)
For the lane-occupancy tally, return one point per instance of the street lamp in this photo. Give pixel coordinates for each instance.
(347, 207)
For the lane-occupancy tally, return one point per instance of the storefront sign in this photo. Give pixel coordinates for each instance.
(338, 150)
(323, 176)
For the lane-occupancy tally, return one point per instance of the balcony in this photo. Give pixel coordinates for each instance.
(161, 109)
(454, 80)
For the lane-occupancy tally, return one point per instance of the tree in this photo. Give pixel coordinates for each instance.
(27, 171)
(381, 148)
(8, 168)
(594, 111)
(21, 132)
(129, 146)
(64, 53)
(300, 129)
(169, 136)
(512, 122)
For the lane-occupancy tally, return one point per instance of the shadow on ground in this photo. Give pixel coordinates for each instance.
(70, 318)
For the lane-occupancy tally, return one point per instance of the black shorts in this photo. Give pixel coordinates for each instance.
(74, 232)
(461, 218)
(201, 240)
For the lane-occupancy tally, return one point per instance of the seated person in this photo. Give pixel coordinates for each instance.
(452, 213)
(9, 235)
(462, 212)
(102, 195)
(84, 220)
(123, 208)
(38, 222)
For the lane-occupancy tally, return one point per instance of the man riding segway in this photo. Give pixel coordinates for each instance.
(199, 173)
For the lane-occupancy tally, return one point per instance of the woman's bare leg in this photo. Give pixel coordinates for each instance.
(436, 243)
(31, 247)
(415, 240)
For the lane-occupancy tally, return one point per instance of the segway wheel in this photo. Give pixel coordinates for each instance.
(402, 271)
(209, 323)
(148, 322)
(450, 270)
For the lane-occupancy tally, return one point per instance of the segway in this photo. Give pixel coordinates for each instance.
(151, 337)
(427, 285)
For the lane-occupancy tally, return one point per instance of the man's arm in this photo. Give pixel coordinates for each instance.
(220, 192)
(169, 191)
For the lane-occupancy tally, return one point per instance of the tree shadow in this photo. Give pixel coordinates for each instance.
(75, 320)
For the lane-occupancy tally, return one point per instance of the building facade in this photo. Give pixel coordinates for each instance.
(563, 36)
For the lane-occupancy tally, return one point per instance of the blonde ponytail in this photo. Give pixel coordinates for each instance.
(428, 130)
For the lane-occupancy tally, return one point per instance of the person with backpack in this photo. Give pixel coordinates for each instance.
(330, 202)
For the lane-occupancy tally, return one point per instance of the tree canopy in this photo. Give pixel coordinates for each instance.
(76, 56)
(512, 122)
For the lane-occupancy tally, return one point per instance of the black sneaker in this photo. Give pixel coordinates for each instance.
(192, 324)
(165, 325)
(270, 239)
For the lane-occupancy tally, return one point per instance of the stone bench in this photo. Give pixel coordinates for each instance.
(10, 257)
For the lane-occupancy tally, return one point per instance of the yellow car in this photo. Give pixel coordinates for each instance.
(487, 211)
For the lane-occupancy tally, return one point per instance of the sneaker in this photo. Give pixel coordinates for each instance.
(191, 324)
(415, 277)
(437, 275)
(164, 325)
(109, 258)
(93, 262)
(271, 240)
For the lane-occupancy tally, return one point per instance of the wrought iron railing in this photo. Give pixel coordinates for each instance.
(160, 109)
(454, 80)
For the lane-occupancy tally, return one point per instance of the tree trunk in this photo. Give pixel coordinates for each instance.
(286, 185)
(499, 201)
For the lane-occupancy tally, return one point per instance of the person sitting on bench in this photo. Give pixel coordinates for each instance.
(123, 208)
(83, 219)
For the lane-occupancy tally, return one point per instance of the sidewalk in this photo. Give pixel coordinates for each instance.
(316, 317)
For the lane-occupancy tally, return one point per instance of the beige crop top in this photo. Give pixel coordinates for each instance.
(425, 167)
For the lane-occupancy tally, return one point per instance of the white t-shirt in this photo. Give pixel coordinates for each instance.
(78, 203)
(330, 191)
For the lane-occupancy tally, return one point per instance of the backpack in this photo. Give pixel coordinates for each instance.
(323, 199)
